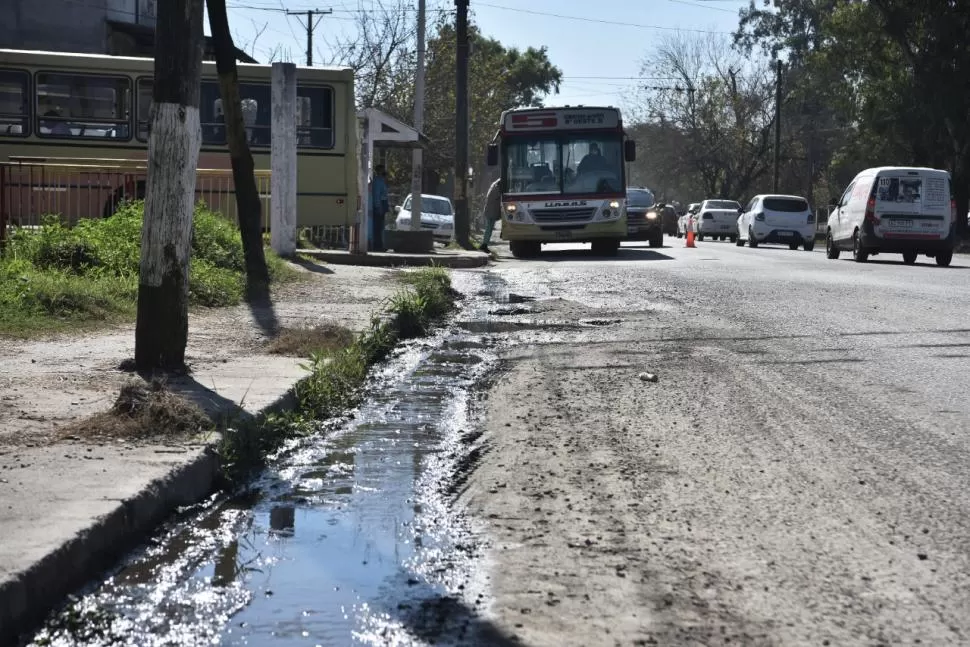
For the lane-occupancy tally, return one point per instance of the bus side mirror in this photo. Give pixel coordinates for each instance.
(492, 155)
(630, 150)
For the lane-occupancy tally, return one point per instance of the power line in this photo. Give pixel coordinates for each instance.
(597, 20)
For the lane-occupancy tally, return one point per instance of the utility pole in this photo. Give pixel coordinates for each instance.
(461, 126)
(309, 26)
(417, 155)
(777, 127)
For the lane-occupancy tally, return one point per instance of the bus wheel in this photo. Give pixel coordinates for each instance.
(605, 247)
(524, 248)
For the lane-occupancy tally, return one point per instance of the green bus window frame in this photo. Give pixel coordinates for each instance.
(25, 121)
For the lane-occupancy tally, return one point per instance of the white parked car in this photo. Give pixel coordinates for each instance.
(781, 219)
(437, 215)
(900, 210)
(683, 223)
(717, 219)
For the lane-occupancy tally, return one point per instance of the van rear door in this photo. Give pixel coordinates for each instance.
(912, 204)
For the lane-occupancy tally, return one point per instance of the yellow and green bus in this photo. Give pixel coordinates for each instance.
(74, 136)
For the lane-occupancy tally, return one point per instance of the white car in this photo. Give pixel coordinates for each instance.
(437, 215)
(781, 219)
(683, 223)
(717, 219)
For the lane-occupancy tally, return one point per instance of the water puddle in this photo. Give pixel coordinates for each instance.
(349, 537)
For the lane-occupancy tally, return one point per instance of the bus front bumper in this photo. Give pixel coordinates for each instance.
(564, 233)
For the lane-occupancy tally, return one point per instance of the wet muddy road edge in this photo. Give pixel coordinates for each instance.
(221, 570)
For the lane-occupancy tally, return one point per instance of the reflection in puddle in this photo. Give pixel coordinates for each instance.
(349, 537)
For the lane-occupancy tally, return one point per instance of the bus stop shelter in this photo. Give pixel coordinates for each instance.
(377, 130)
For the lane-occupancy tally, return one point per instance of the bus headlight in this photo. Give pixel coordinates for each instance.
(510, 208)
(614, 204)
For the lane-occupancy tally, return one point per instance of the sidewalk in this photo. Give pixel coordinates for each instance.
(68, 508)
(450, 258)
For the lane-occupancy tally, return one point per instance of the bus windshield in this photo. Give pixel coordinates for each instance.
(564, 164)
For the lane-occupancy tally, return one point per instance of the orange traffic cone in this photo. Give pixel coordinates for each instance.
(690, 238)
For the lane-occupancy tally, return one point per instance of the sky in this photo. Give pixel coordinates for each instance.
(598, 44)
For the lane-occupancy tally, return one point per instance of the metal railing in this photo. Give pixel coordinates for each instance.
(78, 188)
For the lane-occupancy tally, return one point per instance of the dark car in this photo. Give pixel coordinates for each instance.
(643, 221)
(669, 217)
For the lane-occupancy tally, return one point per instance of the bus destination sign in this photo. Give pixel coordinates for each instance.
(563, 119)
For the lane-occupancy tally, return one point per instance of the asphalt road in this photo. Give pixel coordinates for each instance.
(797, 475)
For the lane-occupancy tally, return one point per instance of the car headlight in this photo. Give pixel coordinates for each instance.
(652, 215)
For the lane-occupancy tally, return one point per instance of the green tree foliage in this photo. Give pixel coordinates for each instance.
(890, 77)
(500, 78)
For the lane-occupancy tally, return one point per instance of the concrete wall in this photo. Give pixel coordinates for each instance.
(65, 25)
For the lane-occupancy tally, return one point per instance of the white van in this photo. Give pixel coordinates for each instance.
(895, 210)
(782, 219)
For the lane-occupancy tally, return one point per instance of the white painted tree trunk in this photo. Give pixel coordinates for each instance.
(166, 243)
(173, 157)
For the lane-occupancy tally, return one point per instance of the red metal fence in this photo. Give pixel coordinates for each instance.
(76, 188)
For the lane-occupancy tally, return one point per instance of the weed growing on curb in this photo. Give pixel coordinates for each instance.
(336, 377)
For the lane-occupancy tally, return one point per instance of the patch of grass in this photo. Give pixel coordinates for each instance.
(304, 341)
(337, 377)
(144, 411)
(61, 278)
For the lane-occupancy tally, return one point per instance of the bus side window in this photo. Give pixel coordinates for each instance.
(13, 103)
(143, 107)
(314, 117)
(83, 105)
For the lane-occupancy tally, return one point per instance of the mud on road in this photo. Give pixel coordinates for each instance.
(759, 493)
(517, 481)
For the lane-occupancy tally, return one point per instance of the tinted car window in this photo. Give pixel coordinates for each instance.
(789, 205)
(639, 198)
(722, 204)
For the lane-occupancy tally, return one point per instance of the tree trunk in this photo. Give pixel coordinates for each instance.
(162, 327)
(244, 178)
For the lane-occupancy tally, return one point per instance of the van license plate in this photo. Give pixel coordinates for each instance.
(564, 235)
(900, 224)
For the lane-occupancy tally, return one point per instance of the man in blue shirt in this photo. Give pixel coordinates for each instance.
(379, 207)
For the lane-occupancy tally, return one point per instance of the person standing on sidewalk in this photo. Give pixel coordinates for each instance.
(379, 207)
(492, 212)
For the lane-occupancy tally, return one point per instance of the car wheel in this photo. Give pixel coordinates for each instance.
(700, 237)
(859, 253)
(809, 245)
(943, 258)
(910, 258)
(737, 240)
(793, 246)
(657, 242)
(752, 241)
(831, 251)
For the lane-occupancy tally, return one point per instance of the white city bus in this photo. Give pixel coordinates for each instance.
(563, 177)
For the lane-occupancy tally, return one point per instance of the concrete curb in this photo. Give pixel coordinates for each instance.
(458, 260)
(28, 598)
